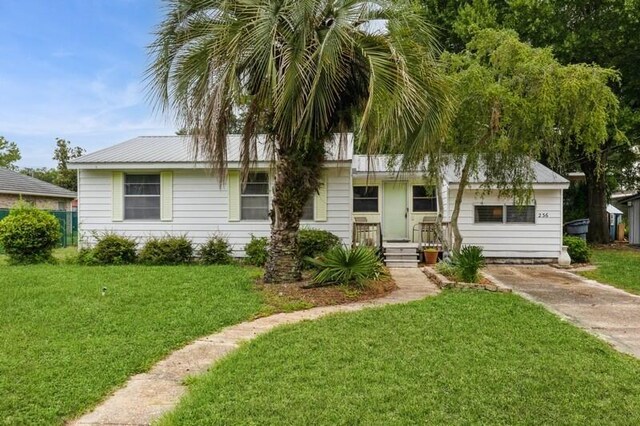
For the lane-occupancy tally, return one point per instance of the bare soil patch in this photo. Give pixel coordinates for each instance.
(304, 294)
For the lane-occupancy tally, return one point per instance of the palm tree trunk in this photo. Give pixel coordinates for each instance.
(296, 179)
(464, 179)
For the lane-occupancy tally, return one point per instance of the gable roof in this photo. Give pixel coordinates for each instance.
(16, 183)
(629, 198)
(384, 164)
(179, 149)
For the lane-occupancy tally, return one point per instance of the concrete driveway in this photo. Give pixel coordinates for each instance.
(607, 312)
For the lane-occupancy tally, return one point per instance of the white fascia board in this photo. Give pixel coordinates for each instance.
(183, 165)
(478, 186)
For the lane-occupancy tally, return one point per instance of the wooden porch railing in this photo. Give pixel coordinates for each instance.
(367, 234)
(426, 233)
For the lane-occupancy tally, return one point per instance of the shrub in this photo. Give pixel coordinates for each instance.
(167, 251)
(314, 242)
(256, 251)
(111, 249)
(29, 235)
(577, 248)
(84, 256)
(216, 251)
(342, 265)
(468, 262)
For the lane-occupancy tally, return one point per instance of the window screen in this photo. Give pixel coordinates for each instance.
(365, 199)
(142, 197)
(488, 214)
(254, 199)
(521, 214)
(307, 210)
(424, 199)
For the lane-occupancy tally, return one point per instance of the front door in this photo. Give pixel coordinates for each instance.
(394, 211)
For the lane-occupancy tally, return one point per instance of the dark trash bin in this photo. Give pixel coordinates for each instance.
(578, 228)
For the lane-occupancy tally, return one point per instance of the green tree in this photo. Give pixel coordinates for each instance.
(62, 154)
(515, 102)
(43, 173)
(306, 70)
(9, 154)
(606, 33)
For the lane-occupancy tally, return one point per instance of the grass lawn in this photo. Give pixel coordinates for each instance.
(619, 267)
(461, 358)
(64, 346)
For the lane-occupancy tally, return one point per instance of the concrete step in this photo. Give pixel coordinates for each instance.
(409, 245)
(402, 256)
(401, 263)
(400, 250)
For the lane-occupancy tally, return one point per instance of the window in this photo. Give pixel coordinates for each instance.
(424, 199)
(142, 197)
(254, 199)
(62, 205)
(491, 214)
(521, 214)
(307, 210)
(365, 199)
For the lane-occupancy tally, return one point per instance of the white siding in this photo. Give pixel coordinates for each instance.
(200, 209)
(542, 239)
(634, 222)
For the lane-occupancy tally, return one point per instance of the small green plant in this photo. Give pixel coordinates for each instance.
(85, 256)
(216, 251)
(167, 251)
(468, 262)
(111, 249)
(577, 248)
(314, 242)
(342, 265)
(29, 235)
(256, 251)
(448, 269)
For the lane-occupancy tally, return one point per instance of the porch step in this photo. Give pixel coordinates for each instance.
(400, 254)
(401, 263)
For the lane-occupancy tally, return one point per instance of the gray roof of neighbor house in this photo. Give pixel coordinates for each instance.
(385, 164)
(179, 149)
(16, 183)
(629, 198)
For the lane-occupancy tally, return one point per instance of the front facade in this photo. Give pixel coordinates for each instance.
(151, 187)
(633, 218)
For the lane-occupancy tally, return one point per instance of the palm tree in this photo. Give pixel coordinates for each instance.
(304, 71)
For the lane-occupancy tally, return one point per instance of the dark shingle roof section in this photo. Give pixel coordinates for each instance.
(16, 183)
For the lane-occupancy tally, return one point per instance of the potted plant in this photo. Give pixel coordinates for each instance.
(431, 255)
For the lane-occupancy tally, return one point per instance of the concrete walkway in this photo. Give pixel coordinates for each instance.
(607, 312)
(147, 396)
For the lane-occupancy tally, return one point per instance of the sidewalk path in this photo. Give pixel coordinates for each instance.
(605, 311)
(147, 396)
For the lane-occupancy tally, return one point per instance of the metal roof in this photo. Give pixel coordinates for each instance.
(16, 183)
(384, 164)
(179, 149)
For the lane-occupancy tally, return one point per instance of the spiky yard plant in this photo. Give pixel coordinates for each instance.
(305, 72)
(343, 265)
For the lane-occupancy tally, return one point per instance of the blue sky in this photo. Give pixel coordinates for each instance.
(74, 69)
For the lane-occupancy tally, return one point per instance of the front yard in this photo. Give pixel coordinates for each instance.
(463, 357)
(64, 345)
(617, 266)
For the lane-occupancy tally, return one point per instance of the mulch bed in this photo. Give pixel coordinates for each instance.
(305, 291)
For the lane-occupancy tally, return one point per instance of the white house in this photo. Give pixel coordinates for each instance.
(633, 203)
(153, 186)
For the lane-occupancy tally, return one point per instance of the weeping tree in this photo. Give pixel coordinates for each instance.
(512, 103)
(306, 72)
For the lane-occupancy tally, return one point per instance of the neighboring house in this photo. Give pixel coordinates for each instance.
(44, 195)
(152, 186)
(633, 217)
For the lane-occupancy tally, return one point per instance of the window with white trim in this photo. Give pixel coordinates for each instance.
(521, 214)
(365, 199)
(254, 197)
(424, 199)
(142, 197)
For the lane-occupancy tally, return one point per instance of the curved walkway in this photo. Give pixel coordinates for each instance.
(147, 396)
(605, 311)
